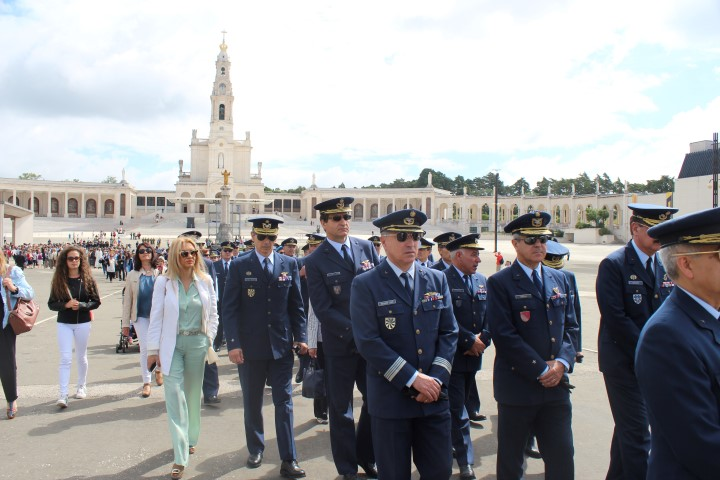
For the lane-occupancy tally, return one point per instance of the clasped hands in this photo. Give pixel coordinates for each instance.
(477, 348)
(552, 377)
(427, 387)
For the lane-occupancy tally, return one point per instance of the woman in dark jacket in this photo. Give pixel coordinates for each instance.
(73, 294)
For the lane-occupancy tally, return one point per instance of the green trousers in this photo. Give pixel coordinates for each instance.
(183, 391)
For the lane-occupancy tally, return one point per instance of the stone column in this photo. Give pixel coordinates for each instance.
(49, 204)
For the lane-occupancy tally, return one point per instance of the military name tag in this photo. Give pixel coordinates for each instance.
(251, 279)
(522, 296)
(459, 290)
(635, 282)
(389, 323)
(332, 274)
(637, 298)
(337, 289)
(387, 302)
(251, 292)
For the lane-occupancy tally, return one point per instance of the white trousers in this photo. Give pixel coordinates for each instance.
(141, 327)
(68, 333)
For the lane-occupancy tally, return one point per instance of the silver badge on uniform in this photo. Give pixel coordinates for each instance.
(337, 289)
(637, 298)
(389, 323)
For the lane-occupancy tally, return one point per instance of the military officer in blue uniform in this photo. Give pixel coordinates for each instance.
(377, 244)
(403, 324)
(631, 285)
(222, 265)
(330, 271)
(424, 251)
(264, 320)
(533, 326)
(442, 240)
(678, 354)
(468, 290)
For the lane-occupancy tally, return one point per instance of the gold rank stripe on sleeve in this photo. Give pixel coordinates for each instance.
(395, 369)
(441, 362)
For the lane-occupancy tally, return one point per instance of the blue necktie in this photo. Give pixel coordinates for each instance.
(468, 285)
(348, 259)
(538, 284)
(268, 273)
(649, 268)
(408, 285)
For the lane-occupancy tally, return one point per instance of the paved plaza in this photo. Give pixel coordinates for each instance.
(116, 434)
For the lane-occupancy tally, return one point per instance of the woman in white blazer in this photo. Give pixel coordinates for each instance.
(137, 302)
(183, 322)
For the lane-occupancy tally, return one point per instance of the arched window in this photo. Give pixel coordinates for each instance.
(91, 207)
(358, 211)
(72, 206)
(222, 112)
(109, 207)
(54, 206)
(222, 89)
(374, 210)
(222, 70)
(389, 208)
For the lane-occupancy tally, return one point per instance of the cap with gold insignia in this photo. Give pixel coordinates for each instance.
(555, 254)
(407, 220)
(226, 244)
(335, 205)
(249, 243)
(531, 223)
(289, 241)
(701, 228)
(444, 238)
(649, 214)
(305, 247)
(314, 238)
(265, 224)
(468, 241)
(425, 244)
(375, 240)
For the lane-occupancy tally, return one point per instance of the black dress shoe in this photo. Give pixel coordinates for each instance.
(212, 400)
(291, 469)
(532, 452)
(466, 472)
(370, 469)
(254, 460)
(350, 476)
(477, 417)
(299, 376)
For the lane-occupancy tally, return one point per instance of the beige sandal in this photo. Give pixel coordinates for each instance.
(191, 450)
(177, 471)
(146, 390)
(158, 377)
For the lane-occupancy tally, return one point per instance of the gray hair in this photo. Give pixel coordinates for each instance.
(670, 254)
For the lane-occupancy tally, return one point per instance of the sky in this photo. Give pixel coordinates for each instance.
(360, 93)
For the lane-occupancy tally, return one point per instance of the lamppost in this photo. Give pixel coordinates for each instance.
(497, 176)
(715, 171)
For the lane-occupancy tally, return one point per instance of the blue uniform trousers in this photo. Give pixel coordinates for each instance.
(458, 391)
(348, 447)
(278, 374)
(552, 424)
(631, 437)
(424, 437)
(211, 382)
(473, 401)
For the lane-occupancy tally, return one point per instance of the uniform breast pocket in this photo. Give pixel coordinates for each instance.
(337, 284)
(527, 311)
(558, 301)
(635, 294)
(389, 318)
(284, 284)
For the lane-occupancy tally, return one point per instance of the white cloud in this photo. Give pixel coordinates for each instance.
(549, 87)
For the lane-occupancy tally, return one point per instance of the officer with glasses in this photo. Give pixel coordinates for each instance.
(330, 271)
(404, 326)
(631, 285)
(678, 358)
(264, 321)
(533, 325)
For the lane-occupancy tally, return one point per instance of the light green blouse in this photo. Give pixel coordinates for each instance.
(190, 307)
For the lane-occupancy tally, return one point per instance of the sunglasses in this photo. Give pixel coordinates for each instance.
(227, 249)
(144, 250)
(73, 259)
(337, 218)
(403, 236)
(262, 237)
(187, 253)
(534, 238)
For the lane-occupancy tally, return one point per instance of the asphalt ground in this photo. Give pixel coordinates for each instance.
(117, 434)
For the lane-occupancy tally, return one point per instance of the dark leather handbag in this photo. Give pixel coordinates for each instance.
(313, 381)
(22, 318)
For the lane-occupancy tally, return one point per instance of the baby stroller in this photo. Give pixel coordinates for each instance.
(126, 342)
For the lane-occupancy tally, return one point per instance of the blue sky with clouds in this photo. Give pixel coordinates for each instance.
(360, 92)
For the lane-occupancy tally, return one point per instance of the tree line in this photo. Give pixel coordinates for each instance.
(483, 186)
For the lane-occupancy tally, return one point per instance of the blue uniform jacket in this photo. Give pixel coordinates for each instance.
(575, 300)
(398, 338)
(678, 369)
(469, 309)
(263, 317)
(329, 279)
(220, 281)
(528, 332)
(626, 298)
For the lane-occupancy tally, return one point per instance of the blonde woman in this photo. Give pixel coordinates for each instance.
(73, 294)
(137, 303)
(183, 322)
(13, 287)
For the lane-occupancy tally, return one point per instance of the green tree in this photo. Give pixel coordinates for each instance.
(30, 176)
(109, 179)
(541, 189)
(517, 188)
(597, 216)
